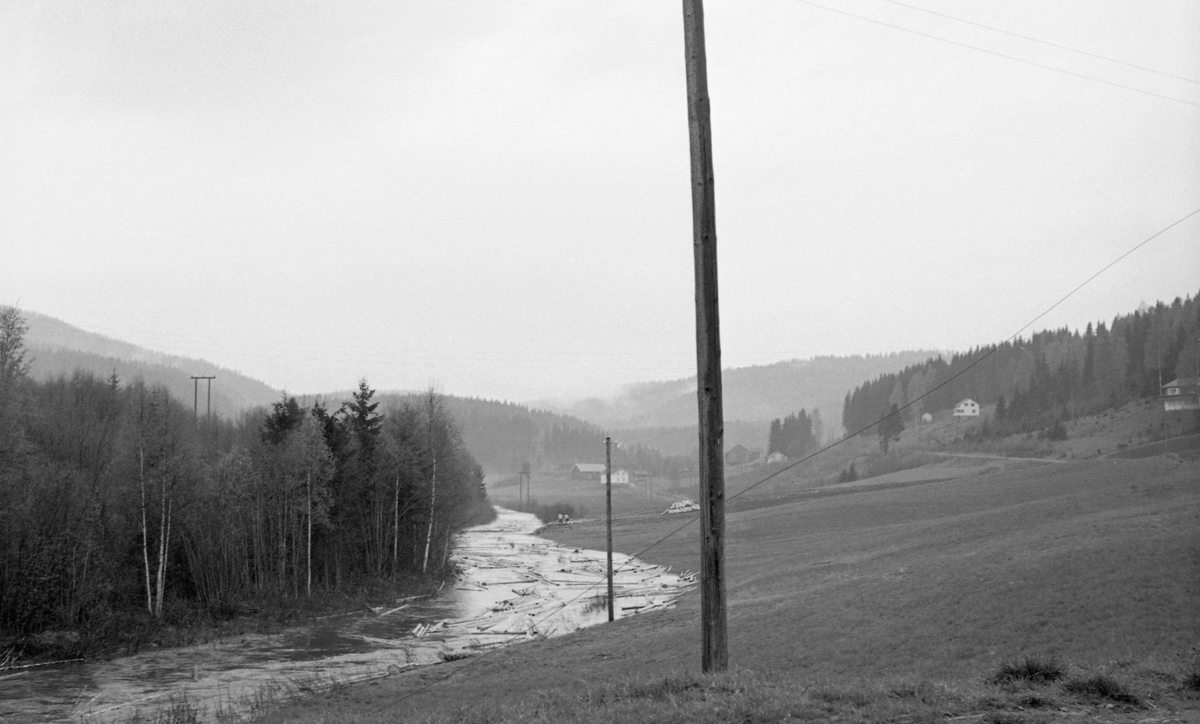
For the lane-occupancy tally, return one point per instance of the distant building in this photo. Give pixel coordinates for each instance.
(927, 417)
(967, 408)
(1181, 394)
(739, 455)
(619, 477)
(587, 471)
(776, 457)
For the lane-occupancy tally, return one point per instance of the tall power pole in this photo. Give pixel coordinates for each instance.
(608, 517)
(708, 348)
(196, 395)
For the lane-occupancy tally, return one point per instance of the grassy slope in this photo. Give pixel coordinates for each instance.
(1097, 562)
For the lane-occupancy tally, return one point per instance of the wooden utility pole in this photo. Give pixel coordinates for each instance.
(524, 494)
(608, 515)
(708, 348)
(196, 395)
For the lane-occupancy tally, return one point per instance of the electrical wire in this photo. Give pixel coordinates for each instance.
(998, 54)
(1043, 42)
(823, 450)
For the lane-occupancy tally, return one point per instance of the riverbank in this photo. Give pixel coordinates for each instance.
(509, 586)
(111, 636)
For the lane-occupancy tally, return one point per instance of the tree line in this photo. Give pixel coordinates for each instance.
(796, 435)
(1052, 376)
(115, 501)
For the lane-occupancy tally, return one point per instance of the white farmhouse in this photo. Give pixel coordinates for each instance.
(967, 408)
(619, 477)
(1181, 394)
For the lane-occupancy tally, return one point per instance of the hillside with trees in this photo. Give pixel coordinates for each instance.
(120, 510)
(1039, 382)
(55, 348)
(753, 394)
(504, 437)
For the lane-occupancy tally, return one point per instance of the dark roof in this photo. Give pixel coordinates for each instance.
(1183, 382)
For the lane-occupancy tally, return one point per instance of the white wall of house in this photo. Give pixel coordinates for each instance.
(619, 477)
(967, 408)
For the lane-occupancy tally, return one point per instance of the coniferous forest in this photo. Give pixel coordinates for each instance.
(1038, 383)
(118, 504)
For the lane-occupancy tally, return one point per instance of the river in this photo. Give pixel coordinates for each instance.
(512, 586)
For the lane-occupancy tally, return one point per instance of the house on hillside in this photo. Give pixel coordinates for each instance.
(776, 457)
(739, 455)
(1181, 394)
(587, 471)
(967, 408)
(619, 477)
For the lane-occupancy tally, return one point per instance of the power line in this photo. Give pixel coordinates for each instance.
(998, 54)
(989, 353)
(1043, 42)
(823, 450)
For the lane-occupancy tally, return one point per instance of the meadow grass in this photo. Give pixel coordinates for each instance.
(949, 597)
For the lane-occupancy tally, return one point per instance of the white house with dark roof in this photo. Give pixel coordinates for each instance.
(967, 408)
(1181, 394)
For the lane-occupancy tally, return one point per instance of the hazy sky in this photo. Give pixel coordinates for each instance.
(494, 196)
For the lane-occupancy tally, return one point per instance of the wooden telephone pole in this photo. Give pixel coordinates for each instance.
(608, 516)
(708, 348)
(196, 395)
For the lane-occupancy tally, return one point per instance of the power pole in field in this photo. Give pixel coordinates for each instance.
(708, 348)
(196, 395)
(608, 515)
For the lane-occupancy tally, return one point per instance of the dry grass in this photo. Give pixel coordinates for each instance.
(1034, 669)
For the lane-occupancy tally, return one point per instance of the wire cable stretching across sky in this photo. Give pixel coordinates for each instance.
(1043, 42)
(999, 54)
(823, 450)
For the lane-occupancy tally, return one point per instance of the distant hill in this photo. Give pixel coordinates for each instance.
(57, 348)
(504, 436)
(753, 396)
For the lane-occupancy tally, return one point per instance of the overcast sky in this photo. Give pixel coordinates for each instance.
(494, 196)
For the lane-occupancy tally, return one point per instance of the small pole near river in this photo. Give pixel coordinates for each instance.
(708, 348)
(608, 515)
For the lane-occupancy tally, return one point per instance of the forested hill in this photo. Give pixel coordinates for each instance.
(753, 394)
(1050, 377)
(56, 348)
(504, 436)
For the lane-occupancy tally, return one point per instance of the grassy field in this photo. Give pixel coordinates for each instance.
(898, 601)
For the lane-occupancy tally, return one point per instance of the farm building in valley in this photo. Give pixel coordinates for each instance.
(739, 455)
(967, 408)
(587, 471)
(619, 477)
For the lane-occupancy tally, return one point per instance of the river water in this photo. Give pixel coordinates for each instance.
(513, 586)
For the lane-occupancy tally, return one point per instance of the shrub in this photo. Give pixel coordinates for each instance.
(1103, 687)
(1035, 669)
(596, 603)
